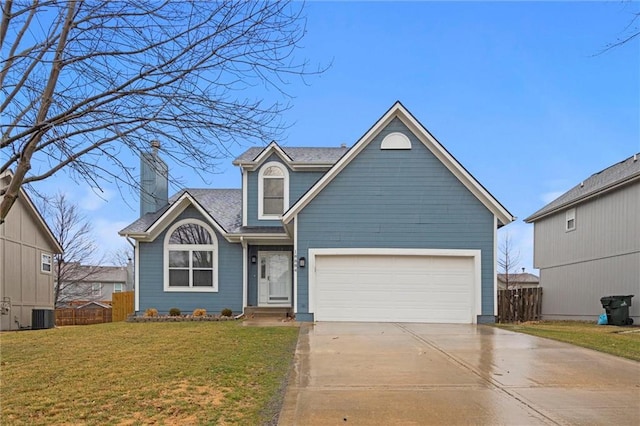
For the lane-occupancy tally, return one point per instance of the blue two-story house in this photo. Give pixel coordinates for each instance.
(392, 229)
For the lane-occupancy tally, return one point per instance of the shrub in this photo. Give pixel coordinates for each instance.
(174, 312)
(226, 312)
(200, 312)
(151, 312)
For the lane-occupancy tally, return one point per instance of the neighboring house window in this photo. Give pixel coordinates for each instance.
(96, 289)
(570, 220)
(45, 263)
(118, 288)
(190, 257)
(273, 191)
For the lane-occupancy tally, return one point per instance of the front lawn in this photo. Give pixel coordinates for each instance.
(151, 373)
(620, 341)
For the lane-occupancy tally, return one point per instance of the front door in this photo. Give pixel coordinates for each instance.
(274, 278)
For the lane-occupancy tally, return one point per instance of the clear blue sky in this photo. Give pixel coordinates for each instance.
(517, 92)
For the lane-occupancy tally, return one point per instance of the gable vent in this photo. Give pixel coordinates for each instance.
(395, 140)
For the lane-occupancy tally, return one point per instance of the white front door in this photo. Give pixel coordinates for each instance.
(274, 278)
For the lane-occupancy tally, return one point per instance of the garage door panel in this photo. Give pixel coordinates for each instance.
(407, 315)
(394, 288)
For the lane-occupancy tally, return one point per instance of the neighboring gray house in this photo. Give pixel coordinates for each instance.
(88, 283)
(520, 280)
(27, 250)
(391, 229)
(587, 244)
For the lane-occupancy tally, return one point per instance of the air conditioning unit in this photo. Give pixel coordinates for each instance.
(42, 319)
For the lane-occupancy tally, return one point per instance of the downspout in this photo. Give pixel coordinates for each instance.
(136, 274)
(294, 302)
(135, 266)
(495, 268)
(130, 242)
(244, 272)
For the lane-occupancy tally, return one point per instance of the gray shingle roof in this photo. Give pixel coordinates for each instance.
(523, 278)
(298, 154)
(598, 183)
(89, 273)
(224, 205)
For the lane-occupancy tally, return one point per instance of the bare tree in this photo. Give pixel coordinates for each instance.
(508, 260)
(73, 281)
(121, 257)
(85, 82)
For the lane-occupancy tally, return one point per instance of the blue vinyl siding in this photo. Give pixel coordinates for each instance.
(299, 183)
(396, 199)
(152, 294)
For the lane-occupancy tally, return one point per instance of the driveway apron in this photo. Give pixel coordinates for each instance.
(445, 374)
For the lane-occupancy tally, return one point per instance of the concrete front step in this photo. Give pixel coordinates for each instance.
(267, 312)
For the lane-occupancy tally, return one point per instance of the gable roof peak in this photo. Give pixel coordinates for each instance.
(503, 216)
(33, 210)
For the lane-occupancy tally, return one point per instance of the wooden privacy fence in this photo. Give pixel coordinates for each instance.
(519, 305)
(73, 316)
(122, 305)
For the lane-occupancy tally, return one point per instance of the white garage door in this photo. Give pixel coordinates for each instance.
(393, 288)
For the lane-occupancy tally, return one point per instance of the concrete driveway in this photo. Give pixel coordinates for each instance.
(418, 374)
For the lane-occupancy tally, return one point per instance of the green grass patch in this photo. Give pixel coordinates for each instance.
(147, 373)
(619, 341)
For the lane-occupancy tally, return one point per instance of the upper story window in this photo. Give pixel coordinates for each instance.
(45, 263)
(96, 289)
(570, 220)
(273, 191)
(190, 257)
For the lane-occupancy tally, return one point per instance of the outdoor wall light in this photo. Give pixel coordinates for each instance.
(302, 262)
(254, 259)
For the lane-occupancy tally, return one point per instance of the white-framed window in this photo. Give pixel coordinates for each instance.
(45, 263)
(570, 220)
(273, 190)
(118, 288)
(96, 289)
(190, 257)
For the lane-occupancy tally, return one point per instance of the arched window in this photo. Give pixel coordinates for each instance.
(273, 191)
(190, 257)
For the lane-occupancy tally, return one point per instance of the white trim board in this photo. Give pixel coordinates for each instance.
(273, 147)
(136, 276)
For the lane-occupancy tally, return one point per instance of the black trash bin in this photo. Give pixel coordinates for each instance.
(617, 308)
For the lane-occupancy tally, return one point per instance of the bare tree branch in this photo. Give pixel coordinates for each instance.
(630, 32)
(74, 233)
(508, 260)
(83, 81)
